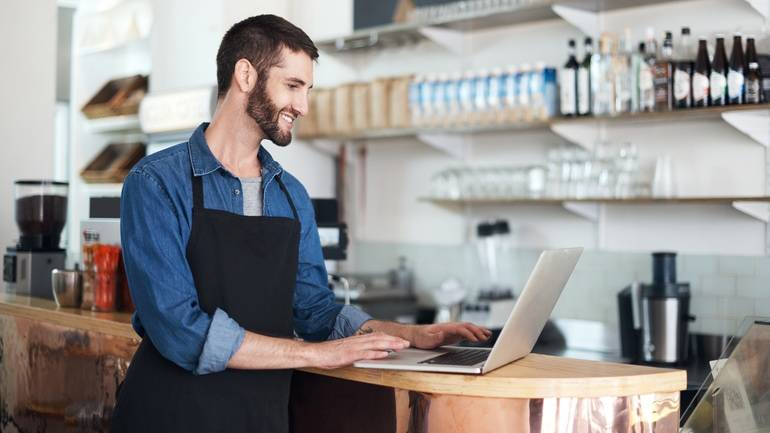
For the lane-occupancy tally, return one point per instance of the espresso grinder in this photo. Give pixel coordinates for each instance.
(41, 213)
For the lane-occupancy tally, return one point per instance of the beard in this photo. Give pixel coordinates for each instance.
(262, 109)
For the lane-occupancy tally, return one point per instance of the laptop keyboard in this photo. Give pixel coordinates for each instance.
(459, 357)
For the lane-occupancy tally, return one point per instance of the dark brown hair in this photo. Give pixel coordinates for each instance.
(259, 40)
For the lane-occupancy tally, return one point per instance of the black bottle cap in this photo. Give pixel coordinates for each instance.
(588, 41)
(501, 227)
(571, 43)
(685, 30)
(485, 229)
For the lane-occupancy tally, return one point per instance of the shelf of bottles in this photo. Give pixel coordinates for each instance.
(667, 79)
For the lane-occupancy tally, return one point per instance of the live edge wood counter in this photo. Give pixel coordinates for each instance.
(60, 369)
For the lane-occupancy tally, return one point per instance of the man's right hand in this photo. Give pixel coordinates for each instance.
(345, 351)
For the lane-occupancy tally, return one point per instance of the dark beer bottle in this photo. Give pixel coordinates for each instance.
(700, 76)
(683, 68)
(718, 77)
(736, 80)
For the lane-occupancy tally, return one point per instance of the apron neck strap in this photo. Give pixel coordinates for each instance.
(288, 197)
(197, 186)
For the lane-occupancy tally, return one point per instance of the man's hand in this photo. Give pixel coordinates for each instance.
(441, 334)
(339, 353)
(430, 336)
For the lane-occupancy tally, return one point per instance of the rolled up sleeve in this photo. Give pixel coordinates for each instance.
(162, 287)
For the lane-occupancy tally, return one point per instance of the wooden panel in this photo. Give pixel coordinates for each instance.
(58, 379)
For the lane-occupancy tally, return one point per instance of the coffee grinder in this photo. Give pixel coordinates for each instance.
(41, 213)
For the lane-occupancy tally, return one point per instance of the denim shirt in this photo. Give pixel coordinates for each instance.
(155, 224)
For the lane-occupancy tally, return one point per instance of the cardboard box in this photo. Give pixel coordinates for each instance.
(379, 99)
(360, 107)
(324, 112)
(343, 109)
(399, 103)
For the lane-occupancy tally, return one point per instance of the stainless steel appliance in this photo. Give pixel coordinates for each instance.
(654, 318)
(41, 213)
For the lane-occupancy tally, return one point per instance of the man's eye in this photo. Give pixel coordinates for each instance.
(293, 86)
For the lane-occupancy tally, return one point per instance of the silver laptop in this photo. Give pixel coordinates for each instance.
(518, 337)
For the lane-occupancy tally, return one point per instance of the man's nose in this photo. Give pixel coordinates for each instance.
(301, 104)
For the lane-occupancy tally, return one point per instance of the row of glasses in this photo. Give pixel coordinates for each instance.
(610, 171)
(489, 183)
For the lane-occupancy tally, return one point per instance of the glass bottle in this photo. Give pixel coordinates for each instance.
(568, 83)
(89, 245)
(736, 80)
(683, 72)
(718, 77)
(700, 76)
(663, 75)
(585, 97)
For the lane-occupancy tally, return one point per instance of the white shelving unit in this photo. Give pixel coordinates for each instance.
(711, 181)
(107, 43)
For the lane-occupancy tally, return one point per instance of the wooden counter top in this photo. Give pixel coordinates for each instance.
(116, 324)
(534, 376)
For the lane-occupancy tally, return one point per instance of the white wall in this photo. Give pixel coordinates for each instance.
(27, 92)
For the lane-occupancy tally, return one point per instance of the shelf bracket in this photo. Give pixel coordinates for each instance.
(584, 134)
(589, 211)
(586, 21)
(452, 40)
(755, 209)
(456, 145)
(761, 6)
(754, 123)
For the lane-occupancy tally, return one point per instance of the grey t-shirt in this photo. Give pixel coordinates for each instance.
(252, 195)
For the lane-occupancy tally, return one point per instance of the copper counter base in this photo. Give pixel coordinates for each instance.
(323, 404)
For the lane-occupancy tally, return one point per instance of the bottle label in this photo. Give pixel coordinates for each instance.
(645, 77)
(584, 91)
(568, 91)
(717, 85)
(681, 85)
(753, 91)
(700, 87)
(734, 84)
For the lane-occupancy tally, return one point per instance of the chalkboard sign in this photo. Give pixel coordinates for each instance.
(372, 13)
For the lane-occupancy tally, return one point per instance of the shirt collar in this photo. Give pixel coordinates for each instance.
(204, 162)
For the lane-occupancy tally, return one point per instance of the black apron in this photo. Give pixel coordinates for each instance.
(247, 266)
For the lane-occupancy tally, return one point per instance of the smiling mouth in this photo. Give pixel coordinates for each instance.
(287, 117)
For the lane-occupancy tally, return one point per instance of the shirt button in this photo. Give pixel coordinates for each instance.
(237, 191)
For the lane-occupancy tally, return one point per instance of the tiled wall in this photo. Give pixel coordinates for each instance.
(725, 289)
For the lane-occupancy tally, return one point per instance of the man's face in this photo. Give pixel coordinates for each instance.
(279, 98)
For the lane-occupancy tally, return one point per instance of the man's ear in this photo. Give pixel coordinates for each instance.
(244, 76)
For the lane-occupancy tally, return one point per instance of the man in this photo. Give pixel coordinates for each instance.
(224, 261)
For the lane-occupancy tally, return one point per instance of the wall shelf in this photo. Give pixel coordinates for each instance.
(463, 21)
(588, 208)
(114, 125)
(753, 120)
